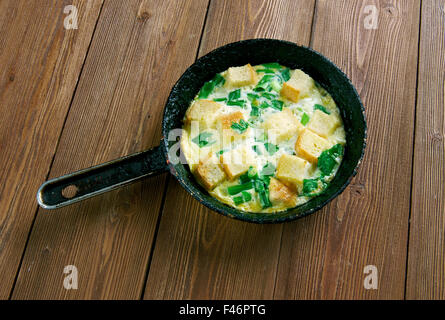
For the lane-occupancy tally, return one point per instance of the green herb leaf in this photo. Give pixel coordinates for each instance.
(322, 108)
(239, 103)
(238, 200)
(273, 65)
(234, 95)
(310, 185)
(277, 104)
(255, 112)
(204, 139)
(265, 71)
(285, 74)
(232, 190)
(220, 99)
(252, 96)
(304, 119)
(327, 159)
(246, 196)
(208, 87)
(241, 126)
(271, 148)
(264, 105)
(269, 95)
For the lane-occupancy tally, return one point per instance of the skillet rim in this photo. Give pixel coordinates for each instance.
(254, 217)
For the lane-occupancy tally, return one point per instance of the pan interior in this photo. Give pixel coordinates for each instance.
(258, 51)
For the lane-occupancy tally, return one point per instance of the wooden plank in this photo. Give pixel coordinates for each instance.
(426, 256)
(40, 64)
(324, 256)
(200, 254)
(136, 55)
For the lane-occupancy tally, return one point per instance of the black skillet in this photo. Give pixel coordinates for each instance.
(86, 183)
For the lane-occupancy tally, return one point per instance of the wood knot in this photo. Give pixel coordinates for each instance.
(69, 192)
(143, 12)
(11, 77)
(390, 10)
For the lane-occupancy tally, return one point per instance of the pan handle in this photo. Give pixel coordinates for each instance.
(84, 184)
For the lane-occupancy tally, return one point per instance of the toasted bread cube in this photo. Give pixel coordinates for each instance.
(298, 86)
(282, 125)
(293, 169)
(209, 173)
(279, 193)
(205, 112)
(310, 145)
(237, 161)
(227, 134)
(240, 76)
(226, 120)
(323, 124)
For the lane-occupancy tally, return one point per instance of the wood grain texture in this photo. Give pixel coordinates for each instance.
(323, 256)
(136, 55)
(426, 257)
(40, 64)
(200, 254)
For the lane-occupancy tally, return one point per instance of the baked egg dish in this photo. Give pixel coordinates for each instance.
(263, 138)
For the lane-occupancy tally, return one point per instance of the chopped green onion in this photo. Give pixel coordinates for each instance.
(285, 74)
(322, 108)
(252, 96)
(304, 119)
(268, 95)
(246, 196)
(220, 99)
(265, 71)
(255, 112)
(234, 95)
(271, 148)
(203, 139)
(276, 86)
(259, 89)
(239, 103)
(327, 159)
(238, 200)
(264, 105)
(277, 104)
(273, 65)
(232, 190)
(208, 87)
(310, 185)
(264, 199)
(241, 126)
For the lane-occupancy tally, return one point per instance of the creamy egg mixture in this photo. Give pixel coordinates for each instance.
(263, 138)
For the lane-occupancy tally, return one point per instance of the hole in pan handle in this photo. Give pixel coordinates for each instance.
(84, 184)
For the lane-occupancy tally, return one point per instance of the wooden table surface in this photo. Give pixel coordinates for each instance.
(73, 98)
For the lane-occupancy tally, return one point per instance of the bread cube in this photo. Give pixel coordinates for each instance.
(240, 76)
(293, 169)
(310, 145)
(279, 193)
(226, 120)
(282, 125)
(298, 86)
(209, 173)
(227, 134)
(323, 124)
(237, 161)
(205, 112)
